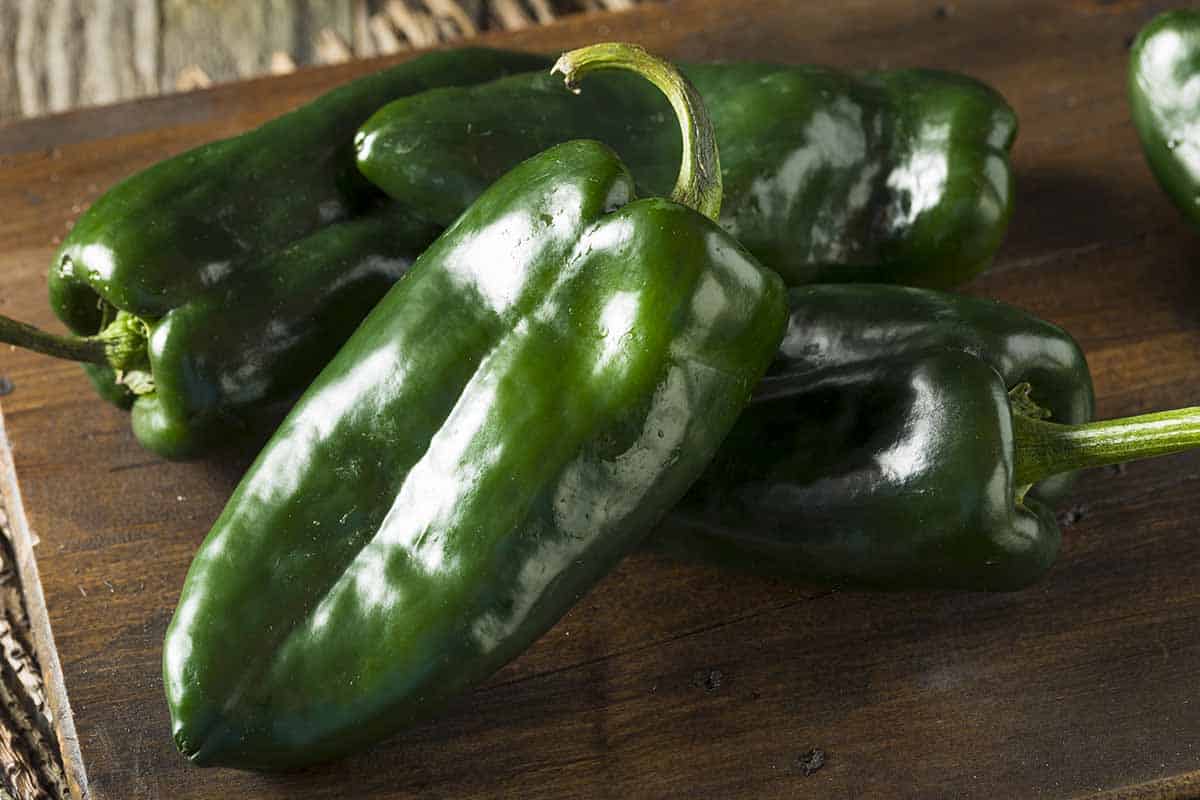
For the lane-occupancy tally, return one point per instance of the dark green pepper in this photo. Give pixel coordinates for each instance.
(1164, 78)
(262, 252)
(898, 442)
(172, 231)
(212, 363)
(267, 332)
(547, 380)
(894, 177)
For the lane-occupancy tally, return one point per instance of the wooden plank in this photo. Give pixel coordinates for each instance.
(72, 53)
(673, 679)
(67, 53)
(230, 107)
(232, 40)
(9, 89)
(24, 541)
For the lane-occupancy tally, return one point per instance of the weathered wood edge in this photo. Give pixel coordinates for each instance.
(23, 540)
(1175, 787)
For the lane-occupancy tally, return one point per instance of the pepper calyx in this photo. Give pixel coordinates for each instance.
(1021, 402)
(121, 344)
(125, 341)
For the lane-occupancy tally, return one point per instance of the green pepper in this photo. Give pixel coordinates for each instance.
(900, 441)
(547, 380)
(266, 333)
(262, 251)
(1164, 73)
(213, 363)
(893, 177)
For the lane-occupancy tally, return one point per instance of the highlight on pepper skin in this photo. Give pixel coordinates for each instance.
(1164, 97)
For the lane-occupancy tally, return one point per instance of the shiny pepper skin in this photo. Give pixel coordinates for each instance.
(879, 450)
(511, 419)
(892, 177)
(269, 239)
(1164, 72)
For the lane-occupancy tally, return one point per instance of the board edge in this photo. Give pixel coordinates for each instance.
(23, 541)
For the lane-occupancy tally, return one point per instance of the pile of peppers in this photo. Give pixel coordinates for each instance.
(823, 172)
(500, 350)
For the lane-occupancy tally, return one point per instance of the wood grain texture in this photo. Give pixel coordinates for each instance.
(57, 55)
(29, 754)
(232, 40)
(673, 679)
(67, 53)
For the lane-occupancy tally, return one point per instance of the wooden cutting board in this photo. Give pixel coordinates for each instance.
(674, 680)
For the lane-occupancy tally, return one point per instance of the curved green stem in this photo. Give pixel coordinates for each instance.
(1046, 448)
(699, 183)
(121, 345)
(88, 349)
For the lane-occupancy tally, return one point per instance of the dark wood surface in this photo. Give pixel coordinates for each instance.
(670, 679)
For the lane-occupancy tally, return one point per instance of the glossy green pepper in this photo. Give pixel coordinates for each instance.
(1164, 94)
(263, 335)
(262, 251)
(894, 177)
(547, 380)
(899, 441)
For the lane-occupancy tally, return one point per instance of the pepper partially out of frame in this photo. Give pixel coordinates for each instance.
(547, 380)
(221, 279)
(909, 439)
(1164, 95)
(893, 177)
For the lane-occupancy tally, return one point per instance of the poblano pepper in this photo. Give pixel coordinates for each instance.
(895, 441)
(262, 252)
(1164, 76)
(896, 177)
(547, 380)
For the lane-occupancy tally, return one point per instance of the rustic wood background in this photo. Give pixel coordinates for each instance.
(56, 55)
(673, 679)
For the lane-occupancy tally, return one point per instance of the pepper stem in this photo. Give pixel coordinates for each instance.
(120, 345)
(699, 183)
(1044, 449)
(88, 349)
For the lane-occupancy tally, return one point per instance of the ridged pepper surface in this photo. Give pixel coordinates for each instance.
(517, 412)
(894, 177)
(907, 439)
(262, 251)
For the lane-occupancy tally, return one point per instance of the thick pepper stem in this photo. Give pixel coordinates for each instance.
(120, 345)
(1044, 449)
(699, 183)
(88, 349)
